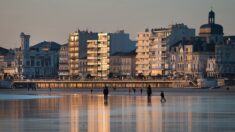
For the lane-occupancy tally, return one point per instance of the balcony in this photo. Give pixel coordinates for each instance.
(142, 68)
(145, 62)
(142, 56)
(142, 50)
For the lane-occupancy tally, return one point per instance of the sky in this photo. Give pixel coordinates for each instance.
(53, 20)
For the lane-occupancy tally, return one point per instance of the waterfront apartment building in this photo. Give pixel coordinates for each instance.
(78, 49)
(92, 57)
(98, 56)
(63, 62)
(153, 48)
(73, 51)
(142, 53)
(123, 64)
(160, 42)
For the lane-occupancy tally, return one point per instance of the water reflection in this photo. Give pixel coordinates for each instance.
(92, 113)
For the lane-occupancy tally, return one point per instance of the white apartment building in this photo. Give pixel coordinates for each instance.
(73, 51)
(98, 54)
(142, 53)
(92, 58)
(153, 46)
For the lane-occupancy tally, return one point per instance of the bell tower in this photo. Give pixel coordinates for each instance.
(211, 17)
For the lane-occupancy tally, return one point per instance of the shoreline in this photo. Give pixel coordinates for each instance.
(124, 91)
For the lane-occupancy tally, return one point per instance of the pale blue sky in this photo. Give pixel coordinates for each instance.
(52, 20)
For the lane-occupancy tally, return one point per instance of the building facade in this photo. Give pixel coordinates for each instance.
(92, 57)
(142, 53)
(41, 61)
(98, 56)
(123, 64)
(153, 48)
(63, 62)
(225, 62)
(161, 40)
(73, 51)
(78, 49)
(83, 67)
(189, 58)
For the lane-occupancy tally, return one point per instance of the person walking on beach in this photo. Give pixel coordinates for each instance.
(149, 91)
(106, 92)
(163, 99)
(141, 91)
(134, 90)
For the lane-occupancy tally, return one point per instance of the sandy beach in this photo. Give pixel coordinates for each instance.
(126, 91)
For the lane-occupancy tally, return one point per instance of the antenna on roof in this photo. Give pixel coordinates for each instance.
(212, 1)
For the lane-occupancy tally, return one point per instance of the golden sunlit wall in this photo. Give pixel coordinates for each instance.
(73, 54)
(98, 54)
(103, 54)
(92, 63)
(142, 57)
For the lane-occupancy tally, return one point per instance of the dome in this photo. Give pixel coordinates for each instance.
(211, 27)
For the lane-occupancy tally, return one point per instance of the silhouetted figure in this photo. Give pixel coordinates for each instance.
(163, 99)
(149, 91)
(129, 91)
(50, 89)
(227, 88)
(106, 92)
(141, 91)
(134, 90)
(91, 91)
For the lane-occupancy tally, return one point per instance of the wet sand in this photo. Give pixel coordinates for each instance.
(77, 110)
(126, 91)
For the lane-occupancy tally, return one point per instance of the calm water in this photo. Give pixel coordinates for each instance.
(81, 113)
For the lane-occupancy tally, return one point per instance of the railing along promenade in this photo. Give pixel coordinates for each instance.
(102, 83)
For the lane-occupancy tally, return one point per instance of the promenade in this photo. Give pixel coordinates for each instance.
(102, 83)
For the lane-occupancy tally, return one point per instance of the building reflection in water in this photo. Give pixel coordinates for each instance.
(78, 113)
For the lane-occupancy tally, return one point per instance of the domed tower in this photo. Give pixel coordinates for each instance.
(212, 32)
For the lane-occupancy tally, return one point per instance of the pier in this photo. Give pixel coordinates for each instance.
(102, 83)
